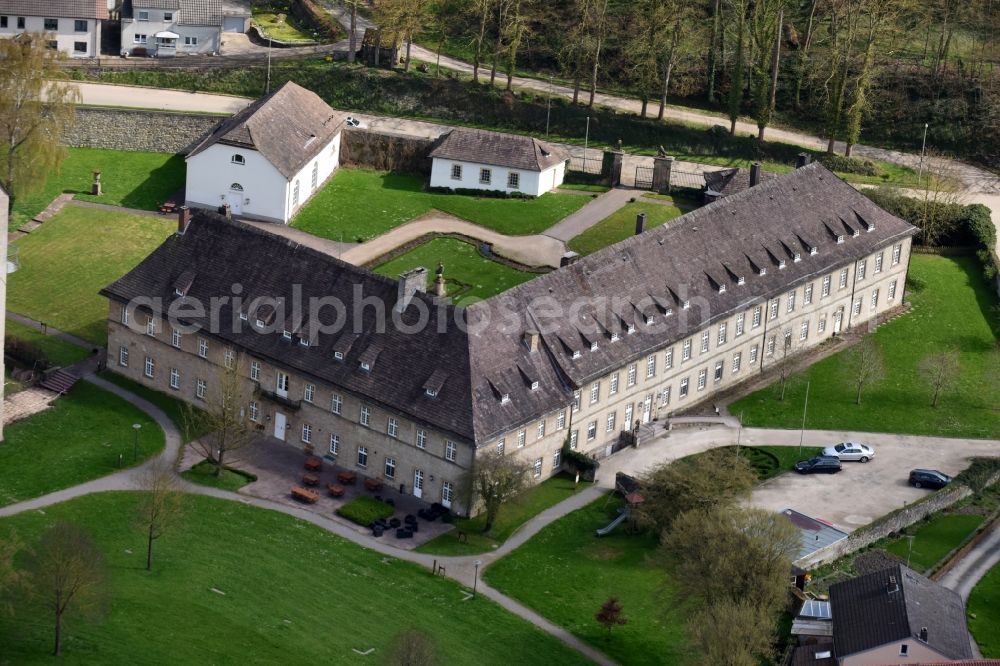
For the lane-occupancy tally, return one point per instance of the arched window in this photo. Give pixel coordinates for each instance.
(315, 175)
(237, 159)
(236, 187)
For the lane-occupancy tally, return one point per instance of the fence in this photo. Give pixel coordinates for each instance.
(582, 164)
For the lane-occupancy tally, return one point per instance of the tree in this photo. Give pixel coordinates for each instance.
(32, 124)
(740, 8)
(160, 507)
(352, 38)
(496, 479)
(482, 9)
(713, 479)
(940, 372)
(412, 647)
(598, 23)
(731, 632)
(68, 575)
(611, 614)
(407, 17)
(223, 420)
(863, 366)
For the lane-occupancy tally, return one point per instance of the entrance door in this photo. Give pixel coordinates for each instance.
(235, 199)
(647, 408)
(281, 387)
(279, 425)
(418, 483)
(838, 318)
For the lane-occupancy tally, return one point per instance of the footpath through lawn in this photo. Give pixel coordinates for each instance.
(621, 224)
(953, 307)
(233, 584)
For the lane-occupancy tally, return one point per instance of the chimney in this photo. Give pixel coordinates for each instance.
(640, 223)
(923, 634)
(410, 283)
(531, 340)
(801, 160)
(892, 587)
(754, 174)
(568, 258)
(183, 219)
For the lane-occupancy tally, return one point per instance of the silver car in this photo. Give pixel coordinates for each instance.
(850, 451)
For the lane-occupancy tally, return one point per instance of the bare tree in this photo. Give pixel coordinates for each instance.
(412, 647)
(863, 365)
(67, 574)
(940, 371)
(611, 614)
(407, 17)
(352, 38)
(939, 200)
(160, 508)
(496, 479)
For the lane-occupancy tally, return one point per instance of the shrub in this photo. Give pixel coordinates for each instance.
(26, 353)
(978, 475)
(470, 192)
(307, 13)
(365, 510)
(849, 165)
(578, 462)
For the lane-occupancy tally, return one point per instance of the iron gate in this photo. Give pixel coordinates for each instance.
(644, 178)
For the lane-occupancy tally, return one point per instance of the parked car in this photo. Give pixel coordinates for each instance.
(819, 465)
(928, 478)
(850, 451)
(351, 121)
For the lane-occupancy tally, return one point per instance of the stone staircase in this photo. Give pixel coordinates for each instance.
(60, 381)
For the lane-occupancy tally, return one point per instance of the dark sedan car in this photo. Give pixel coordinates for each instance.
(819, 465)
(929, 478)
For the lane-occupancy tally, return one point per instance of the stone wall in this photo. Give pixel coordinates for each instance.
(386, 152)
(126, 129)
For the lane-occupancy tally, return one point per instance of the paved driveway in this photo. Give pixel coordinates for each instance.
(850, 499)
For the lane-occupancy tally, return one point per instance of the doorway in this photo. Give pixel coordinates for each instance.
(418, 483)
(235, 199)
(279, 426)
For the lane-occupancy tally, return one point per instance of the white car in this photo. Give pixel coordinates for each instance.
(351, 121)
(850, 451)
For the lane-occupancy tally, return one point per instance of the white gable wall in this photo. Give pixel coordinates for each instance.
(211, 173)
(327, 161)
(66, 36)
(531, 182)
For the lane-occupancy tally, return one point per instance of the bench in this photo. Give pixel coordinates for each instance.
(310, 479)
(347, 478)
(304, 495)
(314, 464)
(373, 484)
(335, 490)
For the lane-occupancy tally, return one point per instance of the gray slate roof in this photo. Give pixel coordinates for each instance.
(289, 127)
(731, 181)
(813, 534)
(893, 605)
(81, 9)
(496, 149)
(189, 12)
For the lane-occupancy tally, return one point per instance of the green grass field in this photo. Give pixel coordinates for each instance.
(952, 305)
(621, 224)
(171, 406)
(566, 573)
(469, 275)
(59, 352)
(934, 539)
(66, 261)
(130, 179)
(204, 473)
(282, 28)
(392, 199)
(769, 461)
(287, 592)
(983, 611)
(78, 439)
(513, 514)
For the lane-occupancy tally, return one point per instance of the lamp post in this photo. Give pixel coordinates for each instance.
(135, 443)
(475, 579)
(548, 109)
(267, 84)
(923, 148)
(586, 142)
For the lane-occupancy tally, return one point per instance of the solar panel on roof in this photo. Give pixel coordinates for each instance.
(817, 609)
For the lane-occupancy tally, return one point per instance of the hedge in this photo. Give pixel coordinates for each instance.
(26, 353)
(365, 510)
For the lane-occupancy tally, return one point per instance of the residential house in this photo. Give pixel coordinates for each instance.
(267, 160)
(236, 15)
(71, 26)
(897, 616)
(480, 160)
(166, 28)
(411, 389)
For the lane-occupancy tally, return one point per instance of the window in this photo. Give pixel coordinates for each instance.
(309, 392)
(561, 420)
(456, 172)
(123, 356)
(718, 371)
(629, 410)
(774, 309)
(843, 279)
(668, 359)
(307, 433)
(254, 410)
(334, 444)
(168, 17)
(150, 366)
(702, 378)
(804, 330)
(574, 437)
(314, 178)
(892, 290)
(878, 263)
(336, 403)
(151, 327)
(807, 294)
(630, 375)
(390, 468)
(447, 494)
(753, 355)
(237, 159)
(541, 429)
(576, 401)
(175, 338)
(857, 307)
(613, 386)
(737, 360)
(485, 176)
(229, 358)
(557, 459)
(175, 378)
(874, 299)
(862, 264)
(392, 428)
(826, 287)
(51, 24)
(520, 438)
(739, 323)
(592, 431)
(722, 333)
(362, 456)
(142, 15)
(255, 371)
(203, 347)
(897, 249)
(78, 26)
(513, 180)
(20, 23)
(536, 469)
(366, 415)
(421, 439)
(190, 41)
(685, 383)
(770, 346)
(821, 324)
(200, 388)
(79, 47)
(449, 450)
(295, 194)
(3, 21)
(595, 392)
(704, 341)
(610, 425)
(904, 650)
(756, 316)
(650, 366)
(501, 445)
(790, 302)
(686, 350)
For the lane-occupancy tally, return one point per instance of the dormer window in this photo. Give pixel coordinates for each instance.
(287, 335)
(669, 312)
(781, 264)
(813, 250)
(649, 319)
(238, 159)
(505, 398)
(430, 393)
(614, 337)
(244, 316)
(534, 386)
(797, 257)
(631, 329)
(686, 305)
(304, 342)
(593, 346)
(741, 280)
(871, 227)
(856, 233)
(722, 288)
(840, 239)
(576, 353)
(338, 355)
(365, 366)
(260, 323)
(762, 271)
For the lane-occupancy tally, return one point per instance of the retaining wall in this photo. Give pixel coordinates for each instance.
(138, 130)
(386, 152)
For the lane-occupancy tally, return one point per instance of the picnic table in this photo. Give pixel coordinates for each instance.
(347, 478)
(168, 207)
(310, 479)
(373, 484)
(335, 490)
(314, 464)
(304, 495)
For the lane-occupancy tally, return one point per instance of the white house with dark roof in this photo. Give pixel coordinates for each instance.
(165, 28)
(267, 160)
(72, 26)
(479, 160)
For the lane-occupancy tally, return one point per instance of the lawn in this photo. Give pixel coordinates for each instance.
(232, 479)
(566, 573)
(66, 261)
(468, 274)
(130, 179)
(357, 205)
(621, 224)
(952, 305)
(769, 461)
(171, 406)
(934, 539)
(234, 584)
(280, 27)
(984, 613)
(512, 515)
(59, 352)
(84, 435)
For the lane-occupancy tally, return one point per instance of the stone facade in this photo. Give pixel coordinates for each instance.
(124, 129)
(386, 152)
